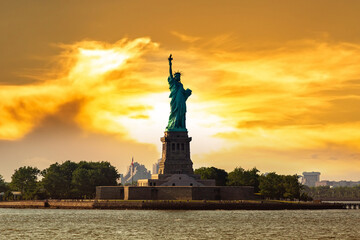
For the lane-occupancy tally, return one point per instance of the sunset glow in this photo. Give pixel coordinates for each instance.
(288, 105)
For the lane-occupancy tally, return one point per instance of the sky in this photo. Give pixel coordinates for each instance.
(276, 84)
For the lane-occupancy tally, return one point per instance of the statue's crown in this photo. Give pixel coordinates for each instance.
(177, 73)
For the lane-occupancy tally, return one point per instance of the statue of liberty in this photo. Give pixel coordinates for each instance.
(178, 97)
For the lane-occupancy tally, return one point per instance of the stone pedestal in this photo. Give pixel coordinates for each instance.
(176, 154)
(176, 167)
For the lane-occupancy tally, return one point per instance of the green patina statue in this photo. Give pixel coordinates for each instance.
(178, 97)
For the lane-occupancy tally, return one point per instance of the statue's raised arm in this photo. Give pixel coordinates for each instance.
(170, 65)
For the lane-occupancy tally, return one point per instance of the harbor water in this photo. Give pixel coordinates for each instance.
(153, 224)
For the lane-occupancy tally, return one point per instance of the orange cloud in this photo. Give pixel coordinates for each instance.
(22, 107)
(84, 75)
(296, 86)
(185, 38)
(301, 96)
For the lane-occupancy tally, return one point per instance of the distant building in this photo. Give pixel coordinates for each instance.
(337, 183)
(134, 173)
(310, 178)
(155, 167)
(121, 176)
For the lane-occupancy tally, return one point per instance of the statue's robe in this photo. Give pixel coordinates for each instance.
(178, 97)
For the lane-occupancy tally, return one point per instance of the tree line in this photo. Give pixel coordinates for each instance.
(334, 193)
(68, 180)
(270, 185)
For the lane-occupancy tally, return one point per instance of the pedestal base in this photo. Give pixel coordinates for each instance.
(176, 154)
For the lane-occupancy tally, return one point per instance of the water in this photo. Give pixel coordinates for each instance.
(143, 224)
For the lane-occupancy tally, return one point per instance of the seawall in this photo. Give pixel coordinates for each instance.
(63, 204)
(181, 193)
(169, 205)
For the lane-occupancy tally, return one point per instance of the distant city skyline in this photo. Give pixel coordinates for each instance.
(313, 179)
(275, 84)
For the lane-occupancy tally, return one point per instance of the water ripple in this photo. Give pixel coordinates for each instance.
(142, 224)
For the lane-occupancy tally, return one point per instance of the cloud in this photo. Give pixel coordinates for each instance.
(288, 92)
(22, 107)
(291, 99)
(294, 98)
(97, 73)
(302, 84)
(185, 38)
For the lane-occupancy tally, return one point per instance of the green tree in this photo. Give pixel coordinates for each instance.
(334, 193)
(3, 185)
(24, 180)
(292, 187)
(270, 185)
(241, 177)
(88, 175)
(57, 179)
(8, 195)
(276, 186)
(219, 175)
(78, 180)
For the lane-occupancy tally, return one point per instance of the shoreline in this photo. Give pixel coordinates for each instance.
(171, 205)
